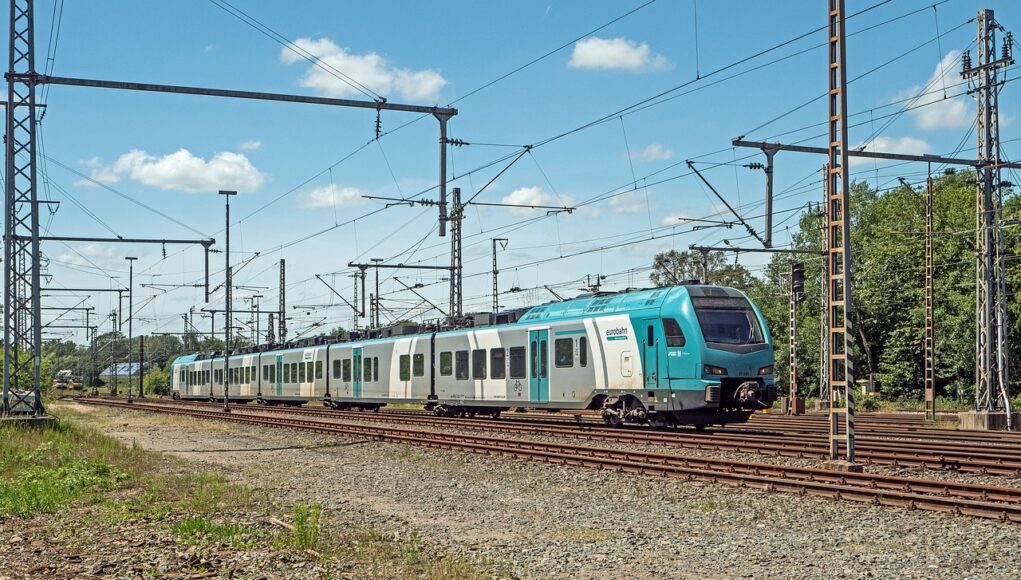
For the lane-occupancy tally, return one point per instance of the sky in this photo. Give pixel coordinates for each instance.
(563, 77)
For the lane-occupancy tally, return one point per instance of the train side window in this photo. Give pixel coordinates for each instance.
(479, 363)
(336, 368)
(446, 363)
(651, 335)
(347, 370)
(272, 373)
(265, 372)
(418, 365)
(498, 363)
(405, 367)
(319, 369)
(301, 373)
(294, 372)
(461, 364)
(310, 371)
(357, 368)
(517, 362)
(248, 375)
(583, 351)
(674, 334)
(287, 373)
(534, 354)
(543, 359)
(367, 369)
(563, 352)
(375, 369)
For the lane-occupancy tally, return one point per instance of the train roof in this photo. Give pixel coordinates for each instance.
(595, 304)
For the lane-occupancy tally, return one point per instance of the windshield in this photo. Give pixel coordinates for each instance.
(727, 320)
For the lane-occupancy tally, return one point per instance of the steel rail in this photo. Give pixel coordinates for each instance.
(993, 502)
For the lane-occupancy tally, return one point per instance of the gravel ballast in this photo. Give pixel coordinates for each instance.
(542, 520)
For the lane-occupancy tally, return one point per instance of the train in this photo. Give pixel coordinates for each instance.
(690, 354)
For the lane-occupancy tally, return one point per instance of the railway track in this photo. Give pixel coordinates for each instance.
(984, 501)
(960, 456)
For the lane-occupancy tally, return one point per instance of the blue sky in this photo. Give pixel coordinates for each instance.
(173, 152)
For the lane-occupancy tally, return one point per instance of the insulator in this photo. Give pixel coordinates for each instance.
(966, 59)
(1007, 42)
(379, 124)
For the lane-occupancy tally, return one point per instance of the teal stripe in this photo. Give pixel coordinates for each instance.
(568, 332)
(616, 338)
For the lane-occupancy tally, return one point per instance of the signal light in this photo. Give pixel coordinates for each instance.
(798, 280)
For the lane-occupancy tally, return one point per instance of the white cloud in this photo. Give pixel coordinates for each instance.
(181, 171)
(615, 54)
(87, 255)
(890, 145)
(654, 152)
(332, 196)
(251, 145)
(676, 219)
(527, 196)
(931, 110)
(629, 202)
(370, 69)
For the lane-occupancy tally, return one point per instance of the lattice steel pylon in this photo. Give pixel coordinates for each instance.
(839, 311)
(22, 327)
(930, 314)
(990, 276)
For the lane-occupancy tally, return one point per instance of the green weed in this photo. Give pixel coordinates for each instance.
(203, 530)
(306, 526)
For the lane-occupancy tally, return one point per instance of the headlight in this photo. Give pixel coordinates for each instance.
(711, 370)
(766, 370)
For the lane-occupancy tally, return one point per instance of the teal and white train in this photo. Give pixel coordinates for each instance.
(688, 354)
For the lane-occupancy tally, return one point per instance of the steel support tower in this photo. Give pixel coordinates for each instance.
(22, 325)
(455, 218)
(282, 331)
(930, 322)
(839, 307)
(792, 346)
(824, 282)
(991, 378)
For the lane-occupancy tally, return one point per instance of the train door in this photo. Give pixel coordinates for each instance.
(356, 355)
(650, 358)
(279, 376)
(538, 381)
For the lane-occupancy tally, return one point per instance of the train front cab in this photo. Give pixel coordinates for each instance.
(711, 358)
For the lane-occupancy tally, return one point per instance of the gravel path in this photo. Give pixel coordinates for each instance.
(540, 520)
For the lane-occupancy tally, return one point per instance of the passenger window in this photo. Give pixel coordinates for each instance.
(375, 369)
(357, 367)
(674, 335)
(461, 365)
(254, 375)
(336, 368)
(479, 363)
(517, 362)
(294, 372)
(367, 372)
(543, 359)
(347, 370)
(287, 373)
(309, 371)
(272, 373)
(405, 370)
(301, 372)
(563, 352)
(446, 363)
(535, 358)
(419, 365)
(583, 351)
(651, 336)
(498, 363)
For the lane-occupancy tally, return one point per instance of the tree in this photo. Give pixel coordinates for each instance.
(673, 267)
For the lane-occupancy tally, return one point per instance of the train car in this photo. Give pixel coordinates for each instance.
(688, 354)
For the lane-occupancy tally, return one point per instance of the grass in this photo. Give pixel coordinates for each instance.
(72, 468)
(201, 530)
(305, 535)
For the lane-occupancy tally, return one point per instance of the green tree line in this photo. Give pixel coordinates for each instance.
(888, 268)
